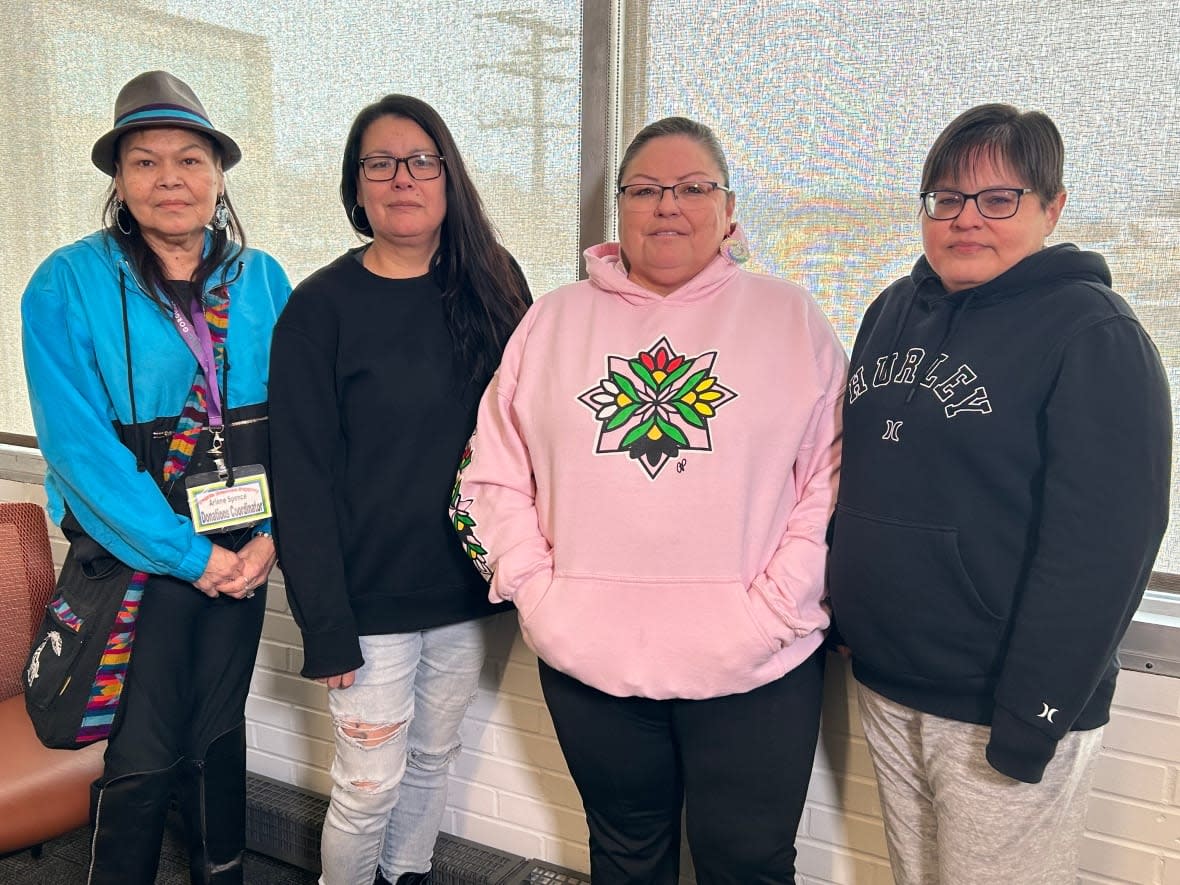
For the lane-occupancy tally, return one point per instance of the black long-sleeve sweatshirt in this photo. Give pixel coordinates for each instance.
(1003, 494)
(369, 416)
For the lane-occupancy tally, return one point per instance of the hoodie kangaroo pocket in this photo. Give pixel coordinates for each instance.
(904, 602)
(660, 637)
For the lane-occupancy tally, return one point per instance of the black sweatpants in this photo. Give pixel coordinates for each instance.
(739, 766)
(189, 675)
(180, 729)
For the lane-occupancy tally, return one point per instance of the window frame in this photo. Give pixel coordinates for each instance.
(605, 29)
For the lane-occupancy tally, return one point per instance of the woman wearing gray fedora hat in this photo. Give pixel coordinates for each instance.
(157, 473)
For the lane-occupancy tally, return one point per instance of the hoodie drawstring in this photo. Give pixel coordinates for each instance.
(960, 306)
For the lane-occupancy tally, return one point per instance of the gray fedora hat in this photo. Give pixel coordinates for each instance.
(156, 98)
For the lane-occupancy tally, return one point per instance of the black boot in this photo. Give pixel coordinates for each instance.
(213, 803)
(404, 879)
(128, 820)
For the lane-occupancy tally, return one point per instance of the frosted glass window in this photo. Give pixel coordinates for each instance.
(285, 79)
(826, 111)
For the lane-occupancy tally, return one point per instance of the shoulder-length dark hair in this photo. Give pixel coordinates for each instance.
(226, 244)
(1027, 142)
(484, 293)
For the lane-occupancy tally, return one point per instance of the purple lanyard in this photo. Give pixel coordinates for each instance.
(195, 332)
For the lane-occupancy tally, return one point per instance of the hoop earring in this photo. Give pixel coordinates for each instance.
(359, 225)
(121, 213)
(221, 214)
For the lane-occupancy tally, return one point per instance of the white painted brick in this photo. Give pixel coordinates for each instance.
(1117, 859)
(274, 655)
(284, 687)
(1174, 778)
(506, 837)
(296, 747)
(522, 679)
(507, 710)
(497, 773)
(300, 720)
(14, 490)
(477, 735)
(276, 598)
(1131, 777)
(558, 787)
(840, 713)
(829, 863)
(530, 748)
(281, 628)
(1171, 870)
(475, 798)
(542, 817)
(521, 653)
(852, 831)
(318, 780)
(1143, 735)
(844, 755)
(851, 793)
(263, 709)
(546, 726)
(276, 767)
(1147, 692)
(1134, 821)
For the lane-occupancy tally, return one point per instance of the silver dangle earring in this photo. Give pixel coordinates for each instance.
(122, 217)
(221, 214)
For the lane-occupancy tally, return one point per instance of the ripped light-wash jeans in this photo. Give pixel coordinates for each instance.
(397, 729)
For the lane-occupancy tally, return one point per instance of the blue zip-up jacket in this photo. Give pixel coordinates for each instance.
(76, 361)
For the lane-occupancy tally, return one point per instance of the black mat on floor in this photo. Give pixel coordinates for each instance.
(63, 862)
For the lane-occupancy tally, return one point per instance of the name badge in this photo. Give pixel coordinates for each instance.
(216, 507)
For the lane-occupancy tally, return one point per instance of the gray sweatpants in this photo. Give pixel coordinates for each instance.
(951, 819)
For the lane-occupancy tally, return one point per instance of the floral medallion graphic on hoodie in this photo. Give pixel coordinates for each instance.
(656, 404)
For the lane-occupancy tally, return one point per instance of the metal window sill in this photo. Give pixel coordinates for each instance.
(1152, 643)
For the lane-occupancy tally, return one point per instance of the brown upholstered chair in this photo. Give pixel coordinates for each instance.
(43, 793)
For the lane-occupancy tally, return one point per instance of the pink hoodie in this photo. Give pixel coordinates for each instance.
(651, 479)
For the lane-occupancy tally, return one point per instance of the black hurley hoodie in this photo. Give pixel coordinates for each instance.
(1003, 494)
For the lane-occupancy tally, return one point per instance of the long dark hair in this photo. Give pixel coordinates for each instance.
(484, 293)
(226, 245)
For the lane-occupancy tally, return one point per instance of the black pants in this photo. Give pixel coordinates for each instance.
(739, 766)
(181, 730)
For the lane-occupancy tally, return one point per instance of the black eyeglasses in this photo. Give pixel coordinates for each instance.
(992, 202)
(689, 194)
(382, 167)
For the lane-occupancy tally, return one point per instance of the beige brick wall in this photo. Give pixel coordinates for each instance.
(511, 789)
